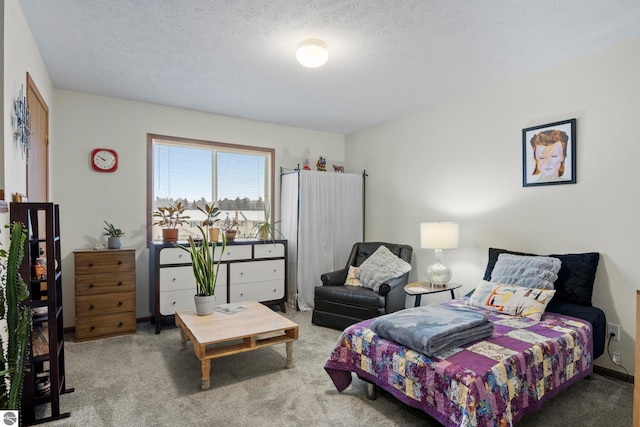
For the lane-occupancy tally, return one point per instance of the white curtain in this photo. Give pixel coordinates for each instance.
(322, 217)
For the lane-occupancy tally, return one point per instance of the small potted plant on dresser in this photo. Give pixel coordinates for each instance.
(230, 228)
(266, 229)
(114, 236)
(211, 212)
(169, 218)
(205, 269)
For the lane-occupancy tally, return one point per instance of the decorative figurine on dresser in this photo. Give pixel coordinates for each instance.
(105, 293)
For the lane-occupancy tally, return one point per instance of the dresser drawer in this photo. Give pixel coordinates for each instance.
(260, 291)
(97, 305)
(177, 278)
(236, 252)
(180, 256)
(174, 256)
(92, 284)
(173, 301)
(268, 250)
(104, 262)
(104, 326)
(244, 272)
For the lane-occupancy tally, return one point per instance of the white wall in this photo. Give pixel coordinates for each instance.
(86, 197)
(21, 55)
(461, 161)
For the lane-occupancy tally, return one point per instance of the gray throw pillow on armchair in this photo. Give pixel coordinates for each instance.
(380, 267)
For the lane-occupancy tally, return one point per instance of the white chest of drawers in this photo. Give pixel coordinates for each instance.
(249, 271)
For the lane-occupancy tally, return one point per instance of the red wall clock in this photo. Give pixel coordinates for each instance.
(104, 160)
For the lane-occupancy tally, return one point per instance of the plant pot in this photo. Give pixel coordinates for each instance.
(114, 242)
(170, 234)
(264, 234)
(230, 234)
(204, 304)
(214, 234)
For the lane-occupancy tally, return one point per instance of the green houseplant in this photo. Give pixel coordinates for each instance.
(114, 235)
(230, 228)
(17, 315)
(212, 212)
(205, 269)
(266, 229)
(169, 218)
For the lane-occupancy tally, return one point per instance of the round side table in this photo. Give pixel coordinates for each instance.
(423, 288)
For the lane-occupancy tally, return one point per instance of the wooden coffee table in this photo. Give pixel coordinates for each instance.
(222, 334)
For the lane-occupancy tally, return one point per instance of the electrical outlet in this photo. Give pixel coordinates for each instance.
(615, 331)
(616, 357)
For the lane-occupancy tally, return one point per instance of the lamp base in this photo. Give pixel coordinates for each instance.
(438, 274)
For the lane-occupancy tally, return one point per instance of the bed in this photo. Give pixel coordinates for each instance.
(494, 381)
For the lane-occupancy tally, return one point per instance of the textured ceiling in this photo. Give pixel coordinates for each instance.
(387, 57)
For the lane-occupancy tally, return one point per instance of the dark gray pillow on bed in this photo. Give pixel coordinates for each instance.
(575, 278)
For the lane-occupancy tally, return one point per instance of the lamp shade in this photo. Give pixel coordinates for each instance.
(312, 53)
(439, 235)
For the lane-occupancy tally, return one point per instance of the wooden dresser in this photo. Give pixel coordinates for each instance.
(250, 270)
(105, 293)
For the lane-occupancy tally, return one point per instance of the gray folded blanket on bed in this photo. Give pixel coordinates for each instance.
(433, 329)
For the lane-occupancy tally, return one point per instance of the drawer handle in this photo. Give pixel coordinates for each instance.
(91, 307)
(120, 302)
(120, 324)
(173, 303)
(91, 286)
(92, 328)
(119, 262)
(180, 256)
(275, 270)
(241, 295)
(119, 283)
(90, 264)
(241, 273)
(269, 250)
(173, 280)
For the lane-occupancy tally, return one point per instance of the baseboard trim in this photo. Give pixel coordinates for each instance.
(613, 374)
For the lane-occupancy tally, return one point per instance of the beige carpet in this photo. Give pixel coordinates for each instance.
(147, 380)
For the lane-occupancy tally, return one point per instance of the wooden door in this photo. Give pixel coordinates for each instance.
(38, 158)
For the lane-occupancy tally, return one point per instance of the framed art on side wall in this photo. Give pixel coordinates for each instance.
(549, 154)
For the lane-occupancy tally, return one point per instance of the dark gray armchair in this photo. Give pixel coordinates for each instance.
(337, 306)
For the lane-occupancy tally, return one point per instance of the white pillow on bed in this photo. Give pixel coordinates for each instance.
(528, 271)
(512, 299)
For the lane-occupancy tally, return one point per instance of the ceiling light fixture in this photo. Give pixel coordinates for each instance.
(312, 53)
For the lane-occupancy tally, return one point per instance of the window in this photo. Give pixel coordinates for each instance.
(238, 178)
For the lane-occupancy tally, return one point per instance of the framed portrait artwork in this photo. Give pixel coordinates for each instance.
(549, 154)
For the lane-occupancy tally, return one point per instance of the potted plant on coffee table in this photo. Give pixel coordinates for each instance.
(114, 236)
(211, 212)
(205, 269)
(169, 218)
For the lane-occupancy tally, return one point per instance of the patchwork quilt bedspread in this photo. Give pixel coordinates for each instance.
(491, 382)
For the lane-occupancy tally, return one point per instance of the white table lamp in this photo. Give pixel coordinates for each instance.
(439, 236)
